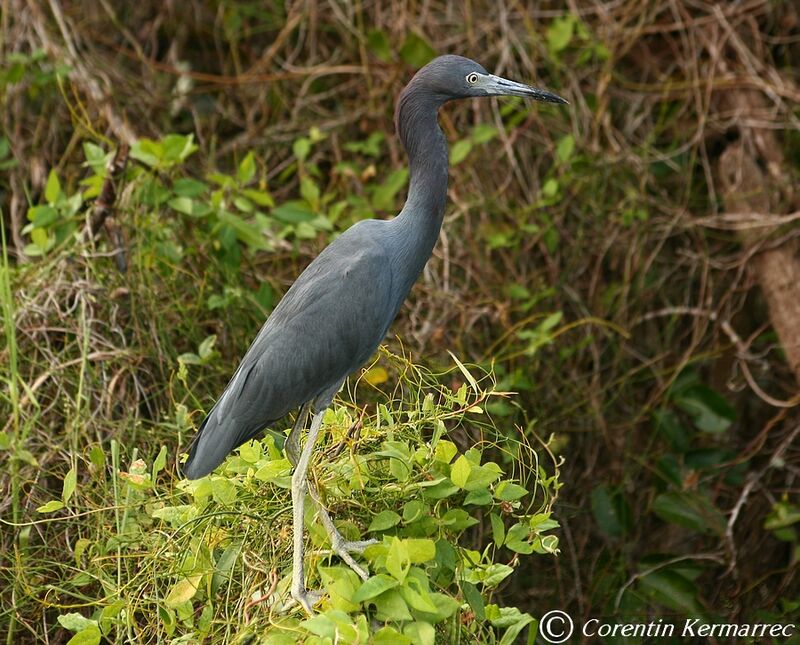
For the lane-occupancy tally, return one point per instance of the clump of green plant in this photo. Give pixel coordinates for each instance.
(158, 557)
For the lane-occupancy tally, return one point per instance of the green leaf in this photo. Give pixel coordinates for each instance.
(177, 148)
(147, 151)
(247, 169)
(691, 510)
(186, 187)
(293, 212)
(260, 197)
(52, 505)
(378, 44)
(397, 560)
(391, 606)
(70, 482)
(606, 512)
(673, 590)
(517, 539)
(310, 192)
(189, 206)
(507, 491)
(183, 591)
(301, 148)
(559, 33)
(565, 148)
(373, 587)
(420, 550)
(384, 520)
(458, 519)
(483, 133)
(420, 633)
(250, 451)
(498, 529)
(247, 232)
(710, 412)
(459, 472)
(496, 573)
(75, 622)
(459, 151)
(42, 216)
(383, 196)
(89, 636)
(416, 51)
(52, 190)
(474, 599)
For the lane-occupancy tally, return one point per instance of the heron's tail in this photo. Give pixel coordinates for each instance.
(215, 438)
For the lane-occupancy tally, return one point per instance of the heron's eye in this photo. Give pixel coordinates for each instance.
(472, 78)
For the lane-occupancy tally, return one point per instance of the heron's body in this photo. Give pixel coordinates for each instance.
(335, 315)
(337, 312)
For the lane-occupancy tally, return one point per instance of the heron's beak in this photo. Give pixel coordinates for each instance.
(498, 86)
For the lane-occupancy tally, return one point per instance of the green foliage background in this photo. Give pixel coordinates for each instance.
(574, 265)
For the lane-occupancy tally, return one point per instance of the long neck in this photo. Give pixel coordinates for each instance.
(421, 218)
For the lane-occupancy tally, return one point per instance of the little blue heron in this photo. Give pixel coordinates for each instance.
(335, 315)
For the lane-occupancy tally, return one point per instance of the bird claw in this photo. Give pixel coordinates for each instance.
(305, 598)
(343, 548)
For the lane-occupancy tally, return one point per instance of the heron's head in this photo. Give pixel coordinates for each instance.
(455, 77)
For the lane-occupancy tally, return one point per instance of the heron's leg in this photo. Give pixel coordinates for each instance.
(292, 445)
(341, 547)
(299, 488)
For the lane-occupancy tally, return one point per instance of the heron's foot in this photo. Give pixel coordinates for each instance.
(305, 598)
(343, 548)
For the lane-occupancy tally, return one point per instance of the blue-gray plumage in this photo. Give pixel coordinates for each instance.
(335, 315)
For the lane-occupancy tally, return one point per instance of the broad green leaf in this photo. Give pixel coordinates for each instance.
(383, 196)
(498, 529)
(559, 33)
(42, 216)
(310, 192)
(189, 206)
(416, 51)
(183, 591)
(496, 573)
(186, 187)
(565, 148)
(160, 462)
(445, 451)
(49, 507)
(608, 512)
(710, 412)
(420, 633)
(75, 622)
(70, 482)
(301, 147)
(459, 151)
(474, 598)
(250, 451)
(247, 169)
(52, 190)
(293, 212)
(671, 589)
(373, 587)
(89, 636)
(420, 550)
(378, 43)
(397, 560)
(459, 472)
(692, 510)
(507, 491)
(384, 520)
(246, 231)
(483, 133)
